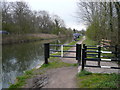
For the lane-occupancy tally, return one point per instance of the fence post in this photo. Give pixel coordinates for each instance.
(85, 54)
(83, 59)
(99, 55)
(85, 47)
(78, 53)
(46, 52)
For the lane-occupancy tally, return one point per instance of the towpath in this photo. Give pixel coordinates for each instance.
(65, 77)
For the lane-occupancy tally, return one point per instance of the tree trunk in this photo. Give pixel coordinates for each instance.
(111, 15)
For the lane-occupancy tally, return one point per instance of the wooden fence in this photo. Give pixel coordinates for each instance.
(97, 54)
(105, 42)
(47, 51)
(83, 52)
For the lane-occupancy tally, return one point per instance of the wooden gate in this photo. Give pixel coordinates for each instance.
(47, 51)
(88, 52)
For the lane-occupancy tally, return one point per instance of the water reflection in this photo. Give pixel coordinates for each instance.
(20, 57)
(17, 58)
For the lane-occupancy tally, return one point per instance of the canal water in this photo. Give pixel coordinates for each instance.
(18, 58)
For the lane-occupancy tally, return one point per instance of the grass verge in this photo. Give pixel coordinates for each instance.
(87, 79)
(20, 80)
(88, 41)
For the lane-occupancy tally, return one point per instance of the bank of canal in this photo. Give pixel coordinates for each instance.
(18, 58)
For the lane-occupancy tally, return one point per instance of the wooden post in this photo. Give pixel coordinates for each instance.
(46, 52)
(85, 47)
(99, 55)
(83, 58)
(85, 53)
(78, 53)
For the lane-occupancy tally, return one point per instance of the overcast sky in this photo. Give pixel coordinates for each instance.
(66, 9)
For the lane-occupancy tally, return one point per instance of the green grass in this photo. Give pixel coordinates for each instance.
(21, 79)
(55, 64)
(89, 42)
(84, 73)
(97, 80)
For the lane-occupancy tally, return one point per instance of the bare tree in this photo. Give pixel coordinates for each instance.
(102, 19)
(21, 15)
(58, 21)
(19, 19)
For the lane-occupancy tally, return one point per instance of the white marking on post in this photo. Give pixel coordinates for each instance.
(61, 50)
(106, 51)
(106, 59)
(105, 67)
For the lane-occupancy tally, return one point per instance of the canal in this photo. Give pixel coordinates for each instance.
(17, 58)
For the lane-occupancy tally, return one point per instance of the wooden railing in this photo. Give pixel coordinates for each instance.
(98, 57)
(105, 42)
(83, 52)
(47, 51)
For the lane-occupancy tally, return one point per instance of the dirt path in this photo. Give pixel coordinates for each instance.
(64, 77)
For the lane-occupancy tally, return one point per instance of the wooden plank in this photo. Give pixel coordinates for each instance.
(106, 40)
